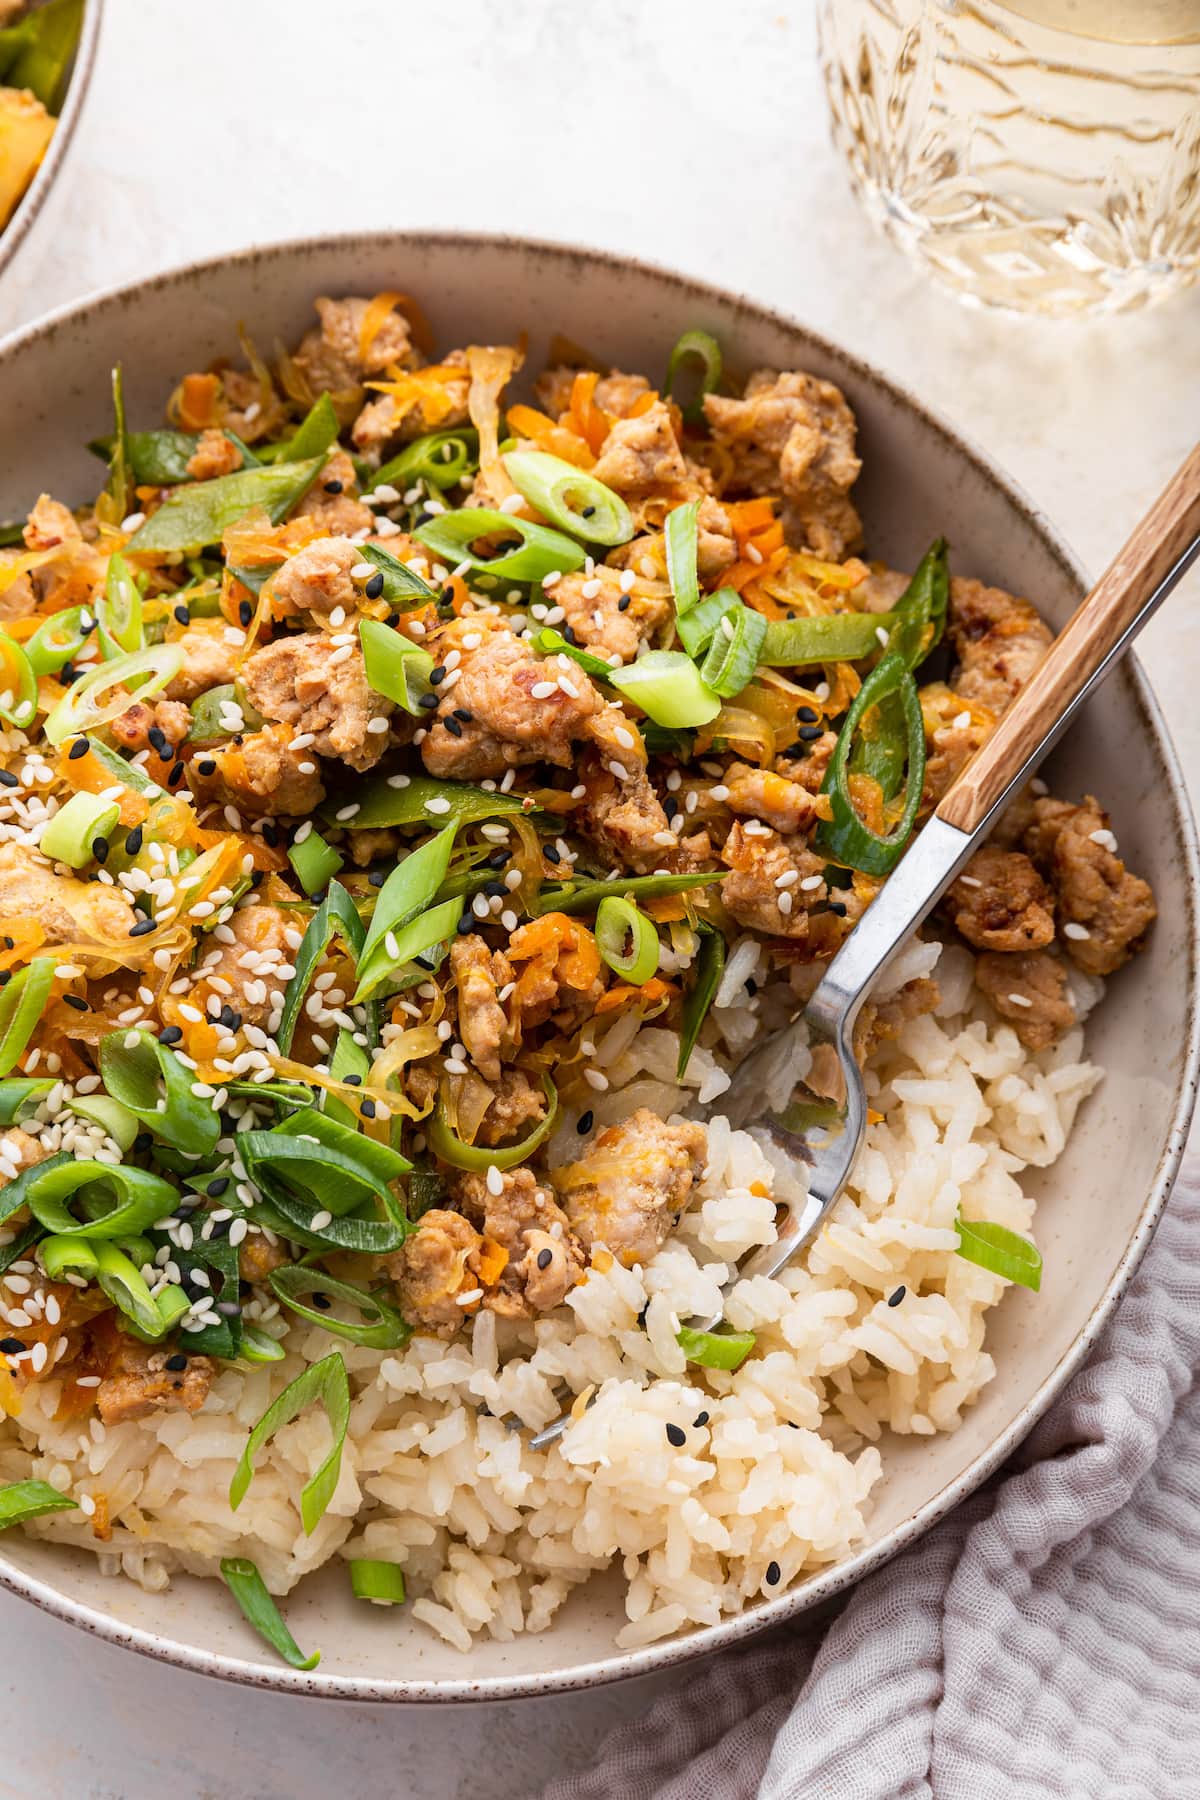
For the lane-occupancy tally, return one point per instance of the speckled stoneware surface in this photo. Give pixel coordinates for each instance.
(34, 217)
(1100, 1202)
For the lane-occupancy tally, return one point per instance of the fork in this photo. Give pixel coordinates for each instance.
(1153, 560)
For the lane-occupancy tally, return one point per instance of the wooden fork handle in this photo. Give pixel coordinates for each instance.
(1119, 604)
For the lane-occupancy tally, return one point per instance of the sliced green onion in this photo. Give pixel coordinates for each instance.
(82, 709)
(348, 1059)
(450, 1147)
(27, 1236)
(336, 913)
(395, 666)
(119, 611)
(402, 586)
(569, 497)
(668, 687)
(715, 1349)
(69, 836)
(619, 924)
(695, 347)
(696, 627)
(417, 938)
(58, 639)
(115, 1120)
(381, 804)
(248, 1588)
(407, 891)
(219, 1258)
(315, 862)
(383, 1327)
(199, 515)
(585, 896)
(847, 839)
(259, 1346)
(22, 1002)
(710, 966)
(733, 654)
(123, 1284)
(141, 1075)
(58, 1254)
(682, 537)
(380, 1582)
(115, 765)
(22, 1500)
(1003, 1252)
(208, 726)
(825, 637)
(327, 1382)
(21, 1096)
(170, 1305)
(374, 1165)
(323, 1173)
(541, 551)
(120, 1200)
(19, 690)
(46, 44)
(440, 457)
(552, 643)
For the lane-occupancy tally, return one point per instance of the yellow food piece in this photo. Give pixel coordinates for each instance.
(25, 132)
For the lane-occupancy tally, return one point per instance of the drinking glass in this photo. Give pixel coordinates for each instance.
(1042, 155)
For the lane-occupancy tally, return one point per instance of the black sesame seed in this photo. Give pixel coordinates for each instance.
(208, 767)
(670, 806)
(496, 860)
(452, 726)
(808, 733)
(677, 1436)
(230, 1020)
(270, 835)
(588, 511)
(245, 611)
(545, 1258)
(897, 1297)
(66, 675)
(176, 1363)
(423, 962)
(100, 849)
(700, 1419)
(10, 943)
(79, 748)
(352, 1080)
(623, 603)
(164, 751)
(838, 907)
(76, 1002)
(141, 928)
(552, 853)
(377, 878)
(6, 976)
(176, 774)
(751, 985)
(322, 1301)
(466, 923)
(368, 1108)
(11, 1346)
(774, 1573)
(170, 1034)
(569, 634)
(428, 701)
(133, 841)
(332, 487)
(807, 714)
(374, 587)
(495, 890)
(585, 1122)
(8, 778)
(422, 518)
(183, 615)
(438, 675)
(216, 1188)
(156, 737)
(460, 712)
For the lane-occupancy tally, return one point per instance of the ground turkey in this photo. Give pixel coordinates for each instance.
(517, 1108)
(259, 774)
(1029, 989)
(542, 1262)
(1103, 909)
(332, 501)
(506, 724)
(330, 356)
(777, 799)
(760, 861)
(606, 618)
(141, 1384)
(67, 910)
(1000, 902)
(170, 720)
(622, 814)
(641, 453)
(317, 580)
(247, 969)
(215, 454)
(318, 687)
(793, 434)
(999, 641)
(210, 657)
(482, 1024)
(632, 1183)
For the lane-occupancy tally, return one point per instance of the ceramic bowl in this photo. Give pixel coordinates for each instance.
(29, 229)
(1098, 1205)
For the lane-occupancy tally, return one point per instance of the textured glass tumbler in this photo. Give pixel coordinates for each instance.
(1042, 155)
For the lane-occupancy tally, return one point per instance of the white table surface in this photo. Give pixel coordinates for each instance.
(690, 132)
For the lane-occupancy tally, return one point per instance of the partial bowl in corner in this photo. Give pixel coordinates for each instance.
(28, 229)
(1100, 1201)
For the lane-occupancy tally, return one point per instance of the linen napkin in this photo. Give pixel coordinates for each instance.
(1044, 1640)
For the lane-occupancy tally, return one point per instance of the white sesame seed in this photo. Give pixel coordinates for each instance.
(595, 1079)
(1019, 1000)
(811, 881)
(320, 1220)
(541, 690)
(495, 1180)
(362, 571)
(438, 804)
(789, 878)
(347, 812)
(470, 1298)
(784, 902)
(1078, 932)
(377, 726)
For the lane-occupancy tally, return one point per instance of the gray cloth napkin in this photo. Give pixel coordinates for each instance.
(1043, 1641)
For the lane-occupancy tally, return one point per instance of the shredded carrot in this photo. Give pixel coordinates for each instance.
(556, 440)
(622, 994)
(602, 1260)
(24, 936)
(490, 1262)
(571, 945)
(426, 388)
(88, 776)
(584, 417)
(198, 401)
(667, 907)
(377, 311)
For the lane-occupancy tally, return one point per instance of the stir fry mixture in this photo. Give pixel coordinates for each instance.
(376, 747)
(37, 44)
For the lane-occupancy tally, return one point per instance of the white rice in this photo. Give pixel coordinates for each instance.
(779, 1460)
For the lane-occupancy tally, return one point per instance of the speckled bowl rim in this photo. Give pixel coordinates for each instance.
(821, 1588)
(38, 191)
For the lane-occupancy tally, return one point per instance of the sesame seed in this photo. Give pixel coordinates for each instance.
(774, 1574)
(1018, 1000)
(595, 1079)
(542, 690)
(469, 1299)
(438, 804)
(495, 1180)
(347, 812)
(676, 1436)
(1078, 932)
(584, 1122)
(895, 1298)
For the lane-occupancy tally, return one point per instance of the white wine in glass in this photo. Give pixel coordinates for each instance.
(1036, 154)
